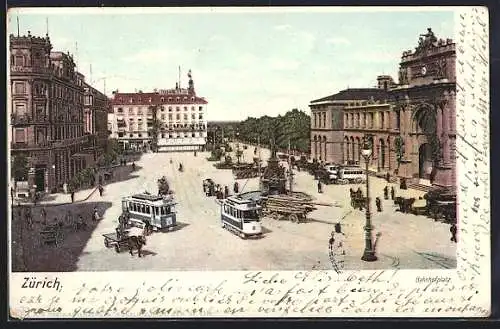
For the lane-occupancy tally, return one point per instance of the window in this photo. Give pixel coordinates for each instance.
(147, 210)
(170, 117)
(200, 117)
(120, 110)
(200, 108)
(193, 135)
(131, 135)
(192, 108)
(185, 116)
(324, 119)
(140, 135)
(170, 108)
(177, 109)
(162, 99)
(131, 100)
(162, 135)
(20, 136)
(185, 108)
(193, 117)
(371, 120)
(178, 116)
(19, 88)
(120, 134)
(131, 111)
(163, 116)
(382, 123)
(178, 98)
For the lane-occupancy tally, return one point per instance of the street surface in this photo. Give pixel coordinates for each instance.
(406, 241)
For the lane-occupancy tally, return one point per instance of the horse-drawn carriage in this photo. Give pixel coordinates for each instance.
(358, 201)
(442, 204)
(131, 239)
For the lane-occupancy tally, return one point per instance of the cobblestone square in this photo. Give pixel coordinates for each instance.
(406, 241)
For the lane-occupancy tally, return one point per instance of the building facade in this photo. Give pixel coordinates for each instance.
(95, 119)
(410, 124)
(180, 113)
(46, 112)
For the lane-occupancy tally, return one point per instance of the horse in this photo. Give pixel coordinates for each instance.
(135, 242)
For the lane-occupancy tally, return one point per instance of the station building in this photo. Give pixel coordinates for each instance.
(410, 124)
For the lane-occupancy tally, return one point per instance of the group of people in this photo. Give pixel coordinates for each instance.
(68, 219)
(217, 190)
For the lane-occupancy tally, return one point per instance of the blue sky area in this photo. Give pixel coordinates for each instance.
(245, 64)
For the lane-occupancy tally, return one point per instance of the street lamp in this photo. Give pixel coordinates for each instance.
(369, 252)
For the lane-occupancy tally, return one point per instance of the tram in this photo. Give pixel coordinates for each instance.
(158, 211)
(241, 216)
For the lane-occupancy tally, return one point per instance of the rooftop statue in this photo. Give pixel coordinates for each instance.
(426, 41)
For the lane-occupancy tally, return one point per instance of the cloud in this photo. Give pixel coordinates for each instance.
(283, 27)
(338, 41)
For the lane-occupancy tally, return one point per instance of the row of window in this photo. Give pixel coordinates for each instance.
(248, 214)
(57, 91)
(163, 135)
(143, 110)
(150, 99)
(319, 120)
(377, 120)
(148, 210)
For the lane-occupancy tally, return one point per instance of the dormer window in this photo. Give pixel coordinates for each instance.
(178, 98)
(162, 99)
(185, 98)
(192, 98)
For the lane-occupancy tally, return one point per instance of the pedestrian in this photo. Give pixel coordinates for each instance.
(319, 187)
(392, 193)
(378, 203)
(43, 215)
(453, 231)
(236, 187)
(386, 192)
(336, 248)
(72, 197)
(388, 177)
(29, 220)
(95, 216)
(101, 189)
(80, 222)
(226, 192)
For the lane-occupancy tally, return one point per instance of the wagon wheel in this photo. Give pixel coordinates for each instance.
(275, 215)
(106, 243)
(293, 218)
(117, 248)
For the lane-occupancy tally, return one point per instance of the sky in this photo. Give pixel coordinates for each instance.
(245, 64)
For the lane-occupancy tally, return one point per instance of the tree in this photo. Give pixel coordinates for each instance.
(20, 168)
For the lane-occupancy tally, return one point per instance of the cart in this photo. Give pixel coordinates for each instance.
(111, 240)
(288, 207)
(51, 234)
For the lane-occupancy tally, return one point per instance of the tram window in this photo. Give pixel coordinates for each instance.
(133, 206)
(162, 210)
(143, 208)
(157, 212)
(147, 210)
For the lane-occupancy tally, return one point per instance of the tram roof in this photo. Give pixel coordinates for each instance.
(149, 198)
(241, 203)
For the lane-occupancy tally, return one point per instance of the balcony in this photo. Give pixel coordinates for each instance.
(29, 69)
(26, 146)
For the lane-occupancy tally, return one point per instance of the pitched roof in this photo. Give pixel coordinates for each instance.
(356, 94)
(156, 99)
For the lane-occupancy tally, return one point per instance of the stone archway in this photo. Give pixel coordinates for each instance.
(325, 148)
(347, 148)
(353, 149)
(358, 142)
(425, 163)
(382, 153)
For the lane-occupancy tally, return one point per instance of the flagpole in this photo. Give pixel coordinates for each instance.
(17, 18)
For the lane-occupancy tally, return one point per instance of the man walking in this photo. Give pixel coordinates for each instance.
(453, 231)
(378, 203)
(72, 196)
(101, 190)
(392, 193)
(320, 190)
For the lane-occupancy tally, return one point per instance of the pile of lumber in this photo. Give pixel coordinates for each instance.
(288, 204)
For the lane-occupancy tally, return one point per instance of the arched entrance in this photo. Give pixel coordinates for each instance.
(382, 153)
(315, 147)
(324, 141)
(347, 148)
(425, 161)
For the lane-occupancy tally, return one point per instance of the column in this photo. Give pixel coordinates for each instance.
(439, 121)
(446, 138)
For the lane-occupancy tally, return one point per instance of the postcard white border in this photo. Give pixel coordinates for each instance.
(470, 284)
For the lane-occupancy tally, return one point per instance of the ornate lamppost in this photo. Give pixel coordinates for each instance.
(369, 252)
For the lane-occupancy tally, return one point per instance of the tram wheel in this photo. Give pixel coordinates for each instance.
(293, 218)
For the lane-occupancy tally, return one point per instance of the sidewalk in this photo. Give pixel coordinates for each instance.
(59, 199)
